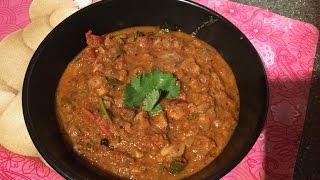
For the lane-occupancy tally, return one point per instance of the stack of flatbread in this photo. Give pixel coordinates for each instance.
(16, 51)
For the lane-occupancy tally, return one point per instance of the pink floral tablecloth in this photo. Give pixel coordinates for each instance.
(287, 48)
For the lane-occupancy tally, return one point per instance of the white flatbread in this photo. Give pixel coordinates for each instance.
(83, 3)
(5, 87)
(14, 133)
(36, 31)
(14, 59)
(60, 14)
(5, 99)
(40, 8)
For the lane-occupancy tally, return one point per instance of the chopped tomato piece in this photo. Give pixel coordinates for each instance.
(99, 122)
(93, 40)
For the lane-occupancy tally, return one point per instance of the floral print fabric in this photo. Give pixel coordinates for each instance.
(287, 48)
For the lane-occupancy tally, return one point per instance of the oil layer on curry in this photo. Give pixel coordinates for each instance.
(144, 103)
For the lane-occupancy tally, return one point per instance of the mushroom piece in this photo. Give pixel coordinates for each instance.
(173, 150)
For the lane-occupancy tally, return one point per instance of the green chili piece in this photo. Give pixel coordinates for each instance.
(160, 171)
(176, 167)
(113, 82)
(103, 110)
(66, 100)
(193, 115)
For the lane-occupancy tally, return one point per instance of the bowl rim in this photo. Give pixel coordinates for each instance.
(52, 162)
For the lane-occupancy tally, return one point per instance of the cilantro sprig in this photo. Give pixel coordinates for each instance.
(149, 88)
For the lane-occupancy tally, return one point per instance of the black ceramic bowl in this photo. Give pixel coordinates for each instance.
(67, 40)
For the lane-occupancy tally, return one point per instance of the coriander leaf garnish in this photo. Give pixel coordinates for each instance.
(156, 110)
(149, 88)
(150, 102)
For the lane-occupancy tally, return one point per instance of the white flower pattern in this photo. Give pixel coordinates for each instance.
(265, 52)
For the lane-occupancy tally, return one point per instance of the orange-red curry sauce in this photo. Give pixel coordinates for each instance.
(192, 129)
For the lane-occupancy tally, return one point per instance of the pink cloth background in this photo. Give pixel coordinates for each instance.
(287, 48)
(14, 14)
